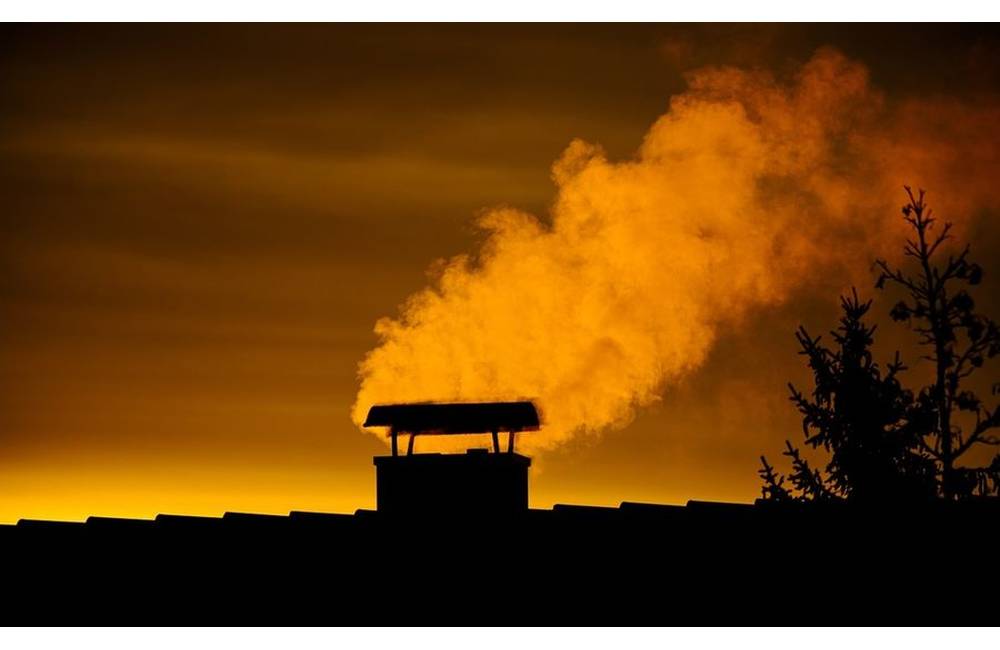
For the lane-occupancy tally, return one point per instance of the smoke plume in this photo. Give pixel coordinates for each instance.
(749, 188)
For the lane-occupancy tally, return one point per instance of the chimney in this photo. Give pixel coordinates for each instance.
(480, 481)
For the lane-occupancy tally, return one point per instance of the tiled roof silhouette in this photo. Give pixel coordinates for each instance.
(635, 563)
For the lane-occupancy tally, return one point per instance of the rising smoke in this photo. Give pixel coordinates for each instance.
(748, 187)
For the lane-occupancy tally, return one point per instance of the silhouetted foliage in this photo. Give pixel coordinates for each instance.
(884, 442)
(856, 413)
(941, 311)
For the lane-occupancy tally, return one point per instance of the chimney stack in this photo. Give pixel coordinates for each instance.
(480, 481)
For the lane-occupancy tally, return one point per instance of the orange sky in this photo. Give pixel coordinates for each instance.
(203, 224)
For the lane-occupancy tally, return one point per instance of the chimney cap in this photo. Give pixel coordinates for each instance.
(455, 417)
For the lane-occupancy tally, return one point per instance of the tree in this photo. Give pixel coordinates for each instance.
(885, 443)
(959, 340)
(856, 413)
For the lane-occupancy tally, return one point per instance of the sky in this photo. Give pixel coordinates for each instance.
(202, 226)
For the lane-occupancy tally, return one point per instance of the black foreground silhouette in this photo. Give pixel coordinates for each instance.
(483, 556)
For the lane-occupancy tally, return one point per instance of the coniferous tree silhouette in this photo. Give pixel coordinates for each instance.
(856, 413)
(941, 311)
(885, 443)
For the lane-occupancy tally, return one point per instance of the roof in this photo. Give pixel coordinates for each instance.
(462, 417)
(235, 520)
